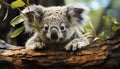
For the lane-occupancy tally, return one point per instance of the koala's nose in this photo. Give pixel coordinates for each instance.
(54, 34)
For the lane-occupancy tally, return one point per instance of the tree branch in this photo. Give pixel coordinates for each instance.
(89, 56)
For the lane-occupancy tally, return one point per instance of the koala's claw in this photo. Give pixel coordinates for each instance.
(75, 44)
(40, 49)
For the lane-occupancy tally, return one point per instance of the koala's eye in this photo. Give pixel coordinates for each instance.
(46, 27)
(62, 27)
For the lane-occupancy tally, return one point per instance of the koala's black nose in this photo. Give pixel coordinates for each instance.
(54, 34)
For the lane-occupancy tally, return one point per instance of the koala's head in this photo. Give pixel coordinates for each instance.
(56, 24)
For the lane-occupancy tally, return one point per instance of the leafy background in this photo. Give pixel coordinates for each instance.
(104, 18)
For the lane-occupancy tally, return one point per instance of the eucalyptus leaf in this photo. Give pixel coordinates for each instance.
(33, 25)
(28, 1)
(6, 14)
(114, 20)
(87, 26)
(17, 4)
(83, 30)
(17, 32)
(115, 28)
(92, 27)
(110, 14)
(17, 20)
(95, 39)
(36, 23)
(104, 35)
(0, 6)
(105, 18)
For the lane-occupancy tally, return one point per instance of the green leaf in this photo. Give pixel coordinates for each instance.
(115, 28)
(87, 34)
(17, 4)
(104, 35)
(108, 24)
(95, 39)
(0, 6)
(110, 14)
(6, 14)
(33, 25)
(17, 20)
(36, 23)
(92, 27)
(17, 32)
(105, 18)
(83, 30)
(87, 26)
(114, 20)
(28, 2)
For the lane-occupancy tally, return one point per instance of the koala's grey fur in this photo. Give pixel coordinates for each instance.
(57, 26)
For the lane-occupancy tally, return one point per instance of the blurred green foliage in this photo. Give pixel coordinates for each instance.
(110, 21)
(111, 25)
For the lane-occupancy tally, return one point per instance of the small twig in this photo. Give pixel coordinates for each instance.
(5, 3)
(28, 8)
(16, 8)
(21, 12)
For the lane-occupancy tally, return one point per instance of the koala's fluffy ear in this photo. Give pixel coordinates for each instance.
(36, 10)
(29, 12)
(77, 13)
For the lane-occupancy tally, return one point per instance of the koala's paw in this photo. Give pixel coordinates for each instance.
(76, 44)
(34, 45)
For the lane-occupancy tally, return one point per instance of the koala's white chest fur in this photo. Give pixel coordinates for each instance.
(57, 25)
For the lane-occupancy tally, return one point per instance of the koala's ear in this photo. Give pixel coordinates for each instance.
(29, 13)
(77, 12)
(31, 10)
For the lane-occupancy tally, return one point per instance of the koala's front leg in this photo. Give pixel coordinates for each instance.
(76, 44)
(78, 41)
(34, 43)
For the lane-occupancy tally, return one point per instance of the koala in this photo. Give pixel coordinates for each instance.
(58, 26)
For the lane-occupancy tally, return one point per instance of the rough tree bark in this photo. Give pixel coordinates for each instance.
(104, 55)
